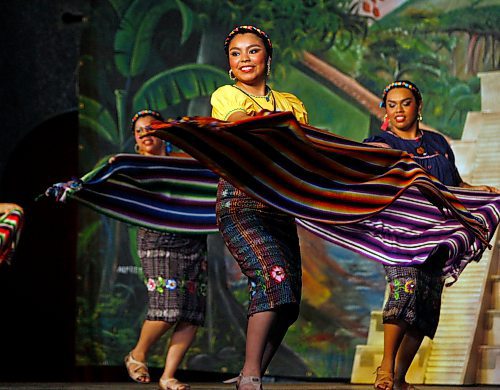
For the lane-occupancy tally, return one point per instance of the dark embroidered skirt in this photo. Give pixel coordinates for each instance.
(175, 272)
(265, 244)
(414, 297)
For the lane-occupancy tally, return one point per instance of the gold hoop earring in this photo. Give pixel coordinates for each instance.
(231, 75)
(268, 73)
(137, 148)
(420, 118)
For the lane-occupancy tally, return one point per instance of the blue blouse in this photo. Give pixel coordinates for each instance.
(434, 154)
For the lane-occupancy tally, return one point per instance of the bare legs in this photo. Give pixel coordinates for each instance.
(406, 353)
(181, 340)
(277, 333)
(182, 337)
(258, 328)
(150, 333)
(265, 332)
(401, 344)
(393, 336)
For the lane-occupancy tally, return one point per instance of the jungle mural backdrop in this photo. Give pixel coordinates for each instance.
(336, 56)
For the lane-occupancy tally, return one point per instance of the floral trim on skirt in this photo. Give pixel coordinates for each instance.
(175, 271)
(265, 244)
(414, 297)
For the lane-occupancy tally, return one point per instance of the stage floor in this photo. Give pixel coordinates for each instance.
(213, 386)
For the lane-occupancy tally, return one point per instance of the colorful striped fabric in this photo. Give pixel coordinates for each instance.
(11, 224)
(309, 173)
(170, 193)
(410, 230)
(374, 201)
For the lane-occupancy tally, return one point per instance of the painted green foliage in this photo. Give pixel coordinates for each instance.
(183, 83)
(138, 25)
(133, 57)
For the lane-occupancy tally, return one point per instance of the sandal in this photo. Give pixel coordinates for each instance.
(139, 371)
(172, 384)
(241, 380)
(235, 380)
(384, 380)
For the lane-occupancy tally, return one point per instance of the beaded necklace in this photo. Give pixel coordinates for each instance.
(270, 92)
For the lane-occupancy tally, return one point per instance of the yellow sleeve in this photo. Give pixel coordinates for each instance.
(297, 107)
(227, 100)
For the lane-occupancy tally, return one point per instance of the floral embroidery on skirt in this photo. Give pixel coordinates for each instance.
(175, 271)
(414, 297)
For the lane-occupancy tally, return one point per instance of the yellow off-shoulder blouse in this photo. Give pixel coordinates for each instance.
(228, 99)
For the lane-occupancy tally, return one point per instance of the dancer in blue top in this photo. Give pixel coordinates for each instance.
(412, 311)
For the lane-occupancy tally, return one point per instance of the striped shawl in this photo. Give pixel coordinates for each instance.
(375, 201)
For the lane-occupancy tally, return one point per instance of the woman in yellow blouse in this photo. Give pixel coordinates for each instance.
(262, 239)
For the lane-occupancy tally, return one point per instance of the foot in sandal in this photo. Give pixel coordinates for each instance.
(137, 370)
(173, 384)
(246, 382)
(384, 380)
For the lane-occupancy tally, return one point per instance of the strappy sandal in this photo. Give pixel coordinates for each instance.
(234, 380)
(172, 384)
(242, 380)
(136, 369)
(384, 380)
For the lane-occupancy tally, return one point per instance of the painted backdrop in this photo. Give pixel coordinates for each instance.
(336, 56)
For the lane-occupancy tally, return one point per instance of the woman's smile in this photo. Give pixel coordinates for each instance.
(247, 59)
(247, 68)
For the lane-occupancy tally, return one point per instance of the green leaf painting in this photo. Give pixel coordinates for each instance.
(97, 118)
(173, 86)
(134, 36)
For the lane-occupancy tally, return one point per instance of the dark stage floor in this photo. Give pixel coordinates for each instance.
(214, 386)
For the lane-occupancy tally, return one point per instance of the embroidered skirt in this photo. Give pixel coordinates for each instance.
(175, 272)
(414, 297)
(265, 244)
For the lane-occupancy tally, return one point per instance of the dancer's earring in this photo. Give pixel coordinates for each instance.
(268, 73)
(231, 75)
(137, 148)
(385, 124)
(420, 118)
